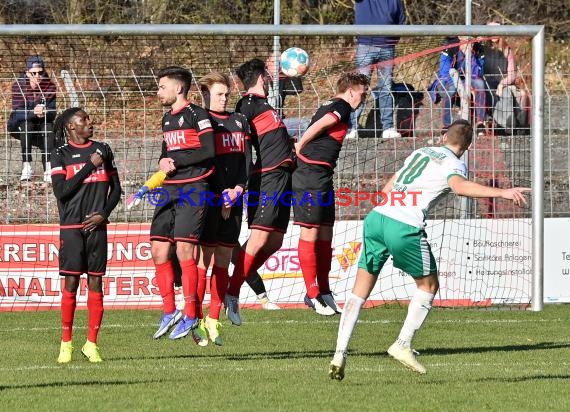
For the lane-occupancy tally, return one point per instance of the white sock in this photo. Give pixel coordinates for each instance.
(347, 323)
(418, 310)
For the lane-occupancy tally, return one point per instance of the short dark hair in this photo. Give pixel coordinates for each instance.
(249, 72)
(179, 74)
(460, 133)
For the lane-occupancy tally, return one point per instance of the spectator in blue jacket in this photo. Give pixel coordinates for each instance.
(452, 70)
(379, 52)
(32, 116)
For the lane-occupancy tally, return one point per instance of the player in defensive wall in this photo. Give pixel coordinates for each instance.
(187, 160)
(314, 206)
(87, 188)
(398, 231)
(268, 217)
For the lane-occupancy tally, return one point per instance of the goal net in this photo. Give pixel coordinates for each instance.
(483, 247)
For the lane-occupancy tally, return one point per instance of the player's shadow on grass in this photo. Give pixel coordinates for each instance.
(237, 356)
(325, 354)
(79, 384)
(484, 349)
(526, 378)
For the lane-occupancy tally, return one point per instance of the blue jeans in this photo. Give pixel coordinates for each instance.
(478, 89)
(447, 91)
(366, 56)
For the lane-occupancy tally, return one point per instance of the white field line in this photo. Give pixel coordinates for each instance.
(333, 321)
(242, 367)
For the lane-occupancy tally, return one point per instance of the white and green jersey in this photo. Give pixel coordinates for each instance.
(420, 183)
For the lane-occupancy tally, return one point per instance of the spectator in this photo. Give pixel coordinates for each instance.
(378, 51)
(507, 99)
(500, 66)
(452, 70)
(32, 116)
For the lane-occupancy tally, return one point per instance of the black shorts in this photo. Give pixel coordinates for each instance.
(83, 252)
(269, 200)
(180, 212)
(220, 231)
(314, 202)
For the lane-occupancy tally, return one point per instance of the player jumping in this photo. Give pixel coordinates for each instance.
(314, 208)
(398, 231)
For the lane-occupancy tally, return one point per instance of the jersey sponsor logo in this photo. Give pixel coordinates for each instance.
(181, 121)
(76, 155)
(204, 124)
(227, 142)
(167, 123)
(181, 139)
(238, 123)
(97, 175)
(267, 122)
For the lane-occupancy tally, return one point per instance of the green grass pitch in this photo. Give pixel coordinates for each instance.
(477, 360)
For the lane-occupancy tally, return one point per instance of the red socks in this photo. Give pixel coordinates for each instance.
(95, 314)
(189, 286)
(308, 260)
(68, 303)
(324, 261)
(165, 282)
(218, 287)
(201, 291)
(242, 271)
(258, 262)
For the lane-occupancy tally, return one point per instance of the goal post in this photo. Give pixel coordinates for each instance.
(120, 91)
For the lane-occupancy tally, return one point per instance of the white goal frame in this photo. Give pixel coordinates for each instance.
(534, 31)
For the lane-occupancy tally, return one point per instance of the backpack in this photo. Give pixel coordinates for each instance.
(508, 113)
(407, 103)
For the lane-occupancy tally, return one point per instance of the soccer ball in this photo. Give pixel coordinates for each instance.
(294, 62)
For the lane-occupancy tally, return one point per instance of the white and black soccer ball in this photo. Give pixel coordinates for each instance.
(294, 62)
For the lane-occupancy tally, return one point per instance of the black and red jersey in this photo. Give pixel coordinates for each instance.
(92, 194)
(269, 136)
(324, 149)
(186, 132)
(232, 139)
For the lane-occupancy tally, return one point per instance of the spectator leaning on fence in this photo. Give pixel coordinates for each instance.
(32, 116)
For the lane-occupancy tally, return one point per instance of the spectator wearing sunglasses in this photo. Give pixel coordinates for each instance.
(32, 116)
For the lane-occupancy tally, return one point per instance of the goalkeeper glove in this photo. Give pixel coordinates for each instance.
(136, 198)
(152, 183)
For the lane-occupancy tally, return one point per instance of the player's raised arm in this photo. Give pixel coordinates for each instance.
(464, 187)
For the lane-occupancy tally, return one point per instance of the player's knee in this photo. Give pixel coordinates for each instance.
(71, 283)
(95, 283)
(429, 283)
(160, 252)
